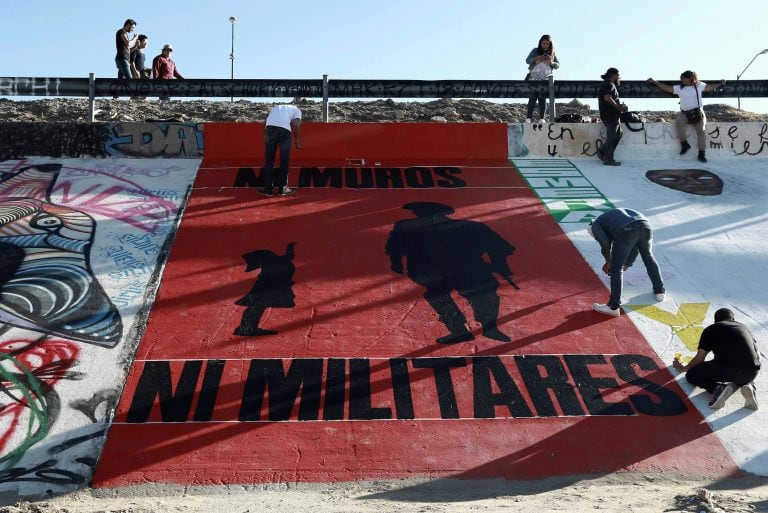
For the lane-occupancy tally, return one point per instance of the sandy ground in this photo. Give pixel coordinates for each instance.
(616, 492)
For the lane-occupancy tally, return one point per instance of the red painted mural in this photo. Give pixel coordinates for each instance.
(413, 310)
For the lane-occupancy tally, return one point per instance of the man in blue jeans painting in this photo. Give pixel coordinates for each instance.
(623, 233)
(281, 121)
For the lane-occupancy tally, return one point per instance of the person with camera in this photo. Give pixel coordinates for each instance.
(542, 61)
(610, 107)
(689, 91)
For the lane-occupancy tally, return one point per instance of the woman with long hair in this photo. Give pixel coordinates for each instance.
(541, 61)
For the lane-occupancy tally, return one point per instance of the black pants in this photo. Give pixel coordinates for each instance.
(273, 137)
(709, 374)
(613, 135)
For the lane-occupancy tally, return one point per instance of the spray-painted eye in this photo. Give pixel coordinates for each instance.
(46, 222)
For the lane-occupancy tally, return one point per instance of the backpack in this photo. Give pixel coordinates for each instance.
(632, 117)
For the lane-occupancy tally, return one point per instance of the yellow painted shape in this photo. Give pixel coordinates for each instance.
(687, 323)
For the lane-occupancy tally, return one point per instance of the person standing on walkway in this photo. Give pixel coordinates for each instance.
(541, 61)
(689, 91)
(164, 68)
(124, 45)
(611, 108)
(139, 59)
(623, 233)
(734, 367)
(281, 121)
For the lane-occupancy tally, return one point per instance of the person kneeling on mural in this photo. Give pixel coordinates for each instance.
(689, 91)
(623, 233)
(735, 365)
(610, 107)
(281, 121)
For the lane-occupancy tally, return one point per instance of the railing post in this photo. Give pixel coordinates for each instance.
(325, 98)
(552, 113)
(91, 96)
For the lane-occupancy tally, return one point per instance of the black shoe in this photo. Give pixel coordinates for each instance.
(454, 338)
(266, 191)
(611, 162)
(702, 158)
(684, 147)
(600, 154)
(495, 334)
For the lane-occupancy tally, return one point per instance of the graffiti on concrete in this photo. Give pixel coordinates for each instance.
(19, 140)
(313, 389)
(46, 281)
(70, 234)
(443, 254)
(272, 289)
(156, 139)
(693, 181)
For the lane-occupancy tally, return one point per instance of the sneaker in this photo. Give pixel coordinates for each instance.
(749, 393)
(684, 148)
(611, 162)
(528, 120)
(285, 191)
(660, 296)
(605, 309)
(702, 158)
(266, 191)
(721, 394)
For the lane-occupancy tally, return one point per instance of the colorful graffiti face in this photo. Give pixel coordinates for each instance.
(47, 284)
(693, 181)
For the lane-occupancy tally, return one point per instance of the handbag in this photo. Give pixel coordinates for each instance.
(694, 115)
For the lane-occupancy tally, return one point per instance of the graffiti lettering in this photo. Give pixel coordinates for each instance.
(502, 387)
(178, 140)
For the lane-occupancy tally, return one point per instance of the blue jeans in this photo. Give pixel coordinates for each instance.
(273, 137)
(613, 135)
(635, 238)
(123, 68)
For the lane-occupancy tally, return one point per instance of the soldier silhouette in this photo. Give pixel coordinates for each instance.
(272, 288)
(444, 254)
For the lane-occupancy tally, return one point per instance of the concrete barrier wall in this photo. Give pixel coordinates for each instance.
(649, 140)
(161, 139)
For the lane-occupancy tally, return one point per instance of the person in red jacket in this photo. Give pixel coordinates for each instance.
(163, 67)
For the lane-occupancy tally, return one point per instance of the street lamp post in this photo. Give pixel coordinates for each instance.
(232, 20)
(745, 69)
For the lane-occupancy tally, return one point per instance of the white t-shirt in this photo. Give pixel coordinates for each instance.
(282, 115)
(688, 96)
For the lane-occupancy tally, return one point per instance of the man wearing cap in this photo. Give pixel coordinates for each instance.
(623, 233)
(163, 66)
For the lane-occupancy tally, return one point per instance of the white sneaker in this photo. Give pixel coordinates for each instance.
(660, 297)
(528, 120)
(721, 395)
(750, 396)
(605, 309)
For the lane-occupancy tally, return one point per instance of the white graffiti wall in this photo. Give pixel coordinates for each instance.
(640, 140)
(82, 244)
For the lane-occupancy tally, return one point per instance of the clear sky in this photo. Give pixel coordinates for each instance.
(397, 39)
